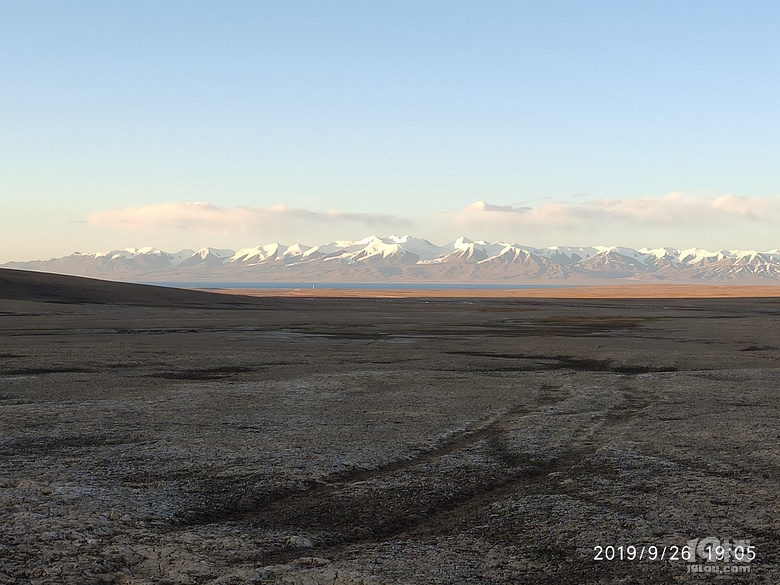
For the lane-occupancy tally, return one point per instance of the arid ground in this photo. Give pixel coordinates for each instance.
(615, 291)
(163, 436)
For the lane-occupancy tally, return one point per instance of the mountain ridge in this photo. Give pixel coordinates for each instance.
(412, 259)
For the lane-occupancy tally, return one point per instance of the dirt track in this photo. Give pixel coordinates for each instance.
(383, 440)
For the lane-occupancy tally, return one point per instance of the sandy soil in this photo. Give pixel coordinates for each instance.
(153, 437)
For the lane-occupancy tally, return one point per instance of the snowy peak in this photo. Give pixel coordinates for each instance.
(128, 253)
(213, 253)
(207, 257)
(268, 252)
(409, 258)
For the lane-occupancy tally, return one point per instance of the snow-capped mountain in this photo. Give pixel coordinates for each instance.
(207, 257)
(411, 259)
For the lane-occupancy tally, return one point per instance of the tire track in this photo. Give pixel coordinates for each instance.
(487, 429)
(353, 509)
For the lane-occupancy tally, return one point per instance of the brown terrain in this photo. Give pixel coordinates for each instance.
(633, 291)
(152, 435)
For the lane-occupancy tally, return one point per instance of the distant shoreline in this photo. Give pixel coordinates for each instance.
(206, 285)
(637, 291)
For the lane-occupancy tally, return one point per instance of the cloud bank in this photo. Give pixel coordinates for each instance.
(204, 216)
(669, 210)
(678, 219)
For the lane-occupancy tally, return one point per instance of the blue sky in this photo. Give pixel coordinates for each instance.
(183, 124)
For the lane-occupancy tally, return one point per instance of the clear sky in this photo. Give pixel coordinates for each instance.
(231, 124)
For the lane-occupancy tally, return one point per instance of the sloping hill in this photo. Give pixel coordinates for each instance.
(58, 288)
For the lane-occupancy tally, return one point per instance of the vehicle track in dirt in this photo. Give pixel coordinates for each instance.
(431, 508)
(487, 428)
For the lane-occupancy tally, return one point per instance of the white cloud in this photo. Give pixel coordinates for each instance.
(204, 216)
(671, 209)
(484, 206)
(482, 213)
(745, 207)
(676, 219)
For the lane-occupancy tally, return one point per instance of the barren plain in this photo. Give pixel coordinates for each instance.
(163, 436)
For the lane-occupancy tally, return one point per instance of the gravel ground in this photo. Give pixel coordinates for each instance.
(387, 440)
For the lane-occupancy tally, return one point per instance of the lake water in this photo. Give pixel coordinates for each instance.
(354, 285)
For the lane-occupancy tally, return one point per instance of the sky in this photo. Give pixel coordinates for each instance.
(183, 124)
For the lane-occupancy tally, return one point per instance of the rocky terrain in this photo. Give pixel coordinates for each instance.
(163, 436)
(406, 259)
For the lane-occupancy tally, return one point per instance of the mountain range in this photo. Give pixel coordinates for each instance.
(416, 260)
